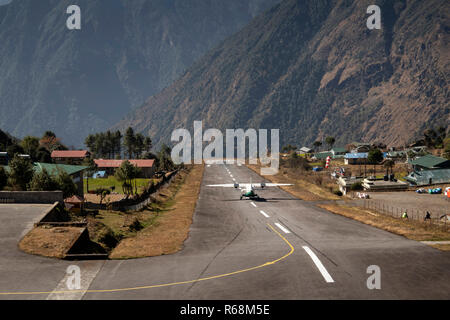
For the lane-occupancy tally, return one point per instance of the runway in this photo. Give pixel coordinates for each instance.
(281, 248)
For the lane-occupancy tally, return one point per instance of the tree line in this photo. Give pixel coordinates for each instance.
(111, 144)
(39, 149)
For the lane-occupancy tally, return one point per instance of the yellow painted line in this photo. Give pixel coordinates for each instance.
(169, 284)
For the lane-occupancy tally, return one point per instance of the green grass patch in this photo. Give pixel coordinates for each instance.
(111, 181)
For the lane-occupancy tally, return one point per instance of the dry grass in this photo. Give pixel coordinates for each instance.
(414, 230)
(170, 229)
(443, 247)
(51, 242)
(302, 188)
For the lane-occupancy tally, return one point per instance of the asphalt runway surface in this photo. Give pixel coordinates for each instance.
(280, 248)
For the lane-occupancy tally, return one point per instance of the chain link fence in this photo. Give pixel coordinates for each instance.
(438, 218)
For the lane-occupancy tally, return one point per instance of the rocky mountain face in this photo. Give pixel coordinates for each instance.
(75, 82)
(313, 69)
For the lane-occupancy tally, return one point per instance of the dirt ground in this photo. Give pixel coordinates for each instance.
(50, 241)
(168, 233)
(436, 204)
(415, 230)
(96, 199)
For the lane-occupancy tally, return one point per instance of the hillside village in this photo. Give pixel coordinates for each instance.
(414, 178)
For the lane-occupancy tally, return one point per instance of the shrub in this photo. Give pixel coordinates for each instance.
(3, 178)
(136, 225)
(42, 181)
(110, 238)
(66, 184)
(102, 192)
(21, 173)
(356, 186)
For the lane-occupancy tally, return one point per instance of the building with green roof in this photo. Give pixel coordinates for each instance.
(322, 155)
(429, 177)
(75, 172)
(430, 162)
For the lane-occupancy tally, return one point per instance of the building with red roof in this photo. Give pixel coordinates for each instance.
(147, 166)
(70, 156)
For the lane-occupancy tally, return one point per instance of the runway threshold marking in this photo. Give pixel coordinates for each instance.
(319, 265)
(285, 230)
(253, 204)
(88, 273)
(264, 214)
(168, 284)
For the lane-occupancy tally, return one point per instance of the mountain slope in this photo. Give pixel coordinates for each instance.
(78, 82)
(311, 69)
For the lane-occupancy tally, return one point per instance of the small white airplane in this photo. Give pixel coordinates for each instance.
(248, 189)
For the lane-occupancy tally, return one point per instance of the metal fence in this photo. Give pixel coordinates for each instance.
(439, 218)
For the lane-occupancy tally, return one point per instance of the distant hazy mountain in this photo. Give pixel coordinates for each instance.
(312, 69)
(77, 82)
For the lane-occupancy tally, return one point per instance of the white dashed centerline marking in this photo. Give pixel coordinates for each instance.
(253, 204)
(319, 265)
(282, 228)
(264, 214)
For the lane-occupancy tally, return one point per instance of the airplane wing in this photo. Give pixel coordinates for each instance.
(244, 185)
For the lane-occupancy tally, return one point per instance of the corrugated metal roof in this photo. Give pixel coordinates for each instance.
(53, 169)
(339, 150)
(423, 177)
(70, 153)
(305, 149)
(360, 155)
(430, 161)
(322, 155)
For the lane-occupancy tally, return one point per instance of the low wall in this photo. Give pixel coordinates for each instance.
(53, 214)
(31, 197)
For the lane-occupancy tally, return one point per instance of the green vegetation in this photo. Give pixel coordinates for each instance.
(21, 173)
(38, 149)
(3, 178)
(330, 141)
(288, 148)
(356, 186)
(102, 193)
(295, 161)
(42, 181)
(446, 143)
(434, 138)
(65, 184)
(164, 161)
(113, 184)
(375, 156)
(109, 145)
(317, 145)
(126, 174)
